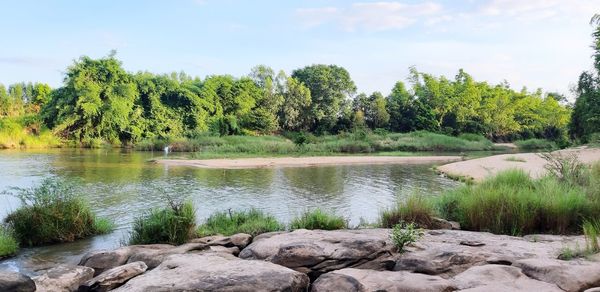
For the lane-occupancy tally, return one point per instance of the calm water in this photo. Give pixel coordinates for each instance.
(122, 185)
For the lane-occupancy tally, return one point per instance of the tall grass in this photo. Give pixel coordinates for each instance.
(8, 244)
(227, 223)
(535, 144)
(591, 230)
(318, 219)
(416, 209)
(53, 212)
(174, 224)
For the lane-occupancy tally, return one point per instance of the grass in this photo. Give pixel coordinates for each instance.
(8, 244)
(52, 213)
(514, 159)
(535, 144)
(591, 230)
(416, 209)
(25, 132)
(252, 222)
(318, 219)
(404, 234)
(174, 224)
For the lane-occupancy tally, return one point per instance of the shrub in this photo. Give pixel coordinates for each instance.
(416, 209)
(8, 244)
(173, 225)
(535, 144)
(404, 234)
(318, 219)
(50, 213)
(566, 168)
(252, 222)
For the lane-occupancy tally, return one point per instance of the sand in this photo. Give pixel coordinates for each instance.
(532, 163)
(306, 161)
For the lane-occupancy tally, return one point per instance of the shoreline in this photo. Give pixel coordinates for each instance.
(262, 162)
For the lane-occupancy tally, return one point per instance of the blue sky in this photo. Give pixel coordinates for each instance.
(533, 43)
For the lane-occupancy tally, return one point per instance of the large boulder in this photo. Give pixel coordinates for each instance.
(216, 272)
(575, 275)
(114, 277)
(317, 251)
(63, 278)
(360, 280)
(500, 278)
(102, 260)
(15, 282)
(449, 252)
(240, 240)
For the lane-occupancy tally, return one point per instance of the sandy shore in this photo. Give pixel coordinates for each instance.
(532, 163)
(306, 161)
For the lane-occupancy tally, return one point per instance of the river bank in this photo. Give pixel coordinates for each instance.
(532, 163)
(305, 161)
(341, 260)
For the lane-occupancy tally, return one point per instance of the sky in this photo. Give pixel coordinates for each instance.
(533, 43)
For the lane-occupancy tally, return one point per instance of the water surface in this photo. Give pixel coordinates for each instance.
(122, 184)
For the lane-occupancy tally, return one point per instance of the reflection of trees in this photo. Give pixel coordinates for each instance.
(316, 182)
(257, 178)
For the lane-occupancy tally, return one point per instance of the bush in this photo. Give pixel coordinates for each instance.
(535, 144)
(8, 244)
(318, 219)
(53, 213)
(513, 203)
(252, 222)
(416, 209)
(404, 234)
(172, 225)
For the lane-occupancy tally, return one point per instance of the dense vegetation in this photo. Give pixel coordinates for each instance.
(52, 213)
(252, 222)
(174, 224)
(318, 219)
(99, 102)
(513, 203)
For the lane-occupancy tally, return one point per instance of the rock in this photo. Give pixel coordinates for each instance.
(102, 260)
(241, 240)
(15, 282)
(575, 275)
(114, 277)
(63, 278)
(369, 280)
(595, 289)
(500, 278)
(439, 223)
(318, 251)
(216, 272)
(234, 250)
(440, 252)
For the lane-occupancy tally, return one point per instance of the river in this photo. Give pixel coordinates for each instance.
(122, 185)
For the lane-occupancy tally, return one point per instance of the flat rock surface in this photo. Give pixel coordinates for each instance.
(216, 272)
(114, 277)
(500, 278)
(63, 278)
(15, 282)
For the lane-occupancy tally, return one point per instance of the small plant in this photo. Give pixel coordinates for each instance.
(51, 213)
(591, 230)
(404, 234)
(173, 225)
(565, 167)
(318, 219)
(8, 244)
(253, 222)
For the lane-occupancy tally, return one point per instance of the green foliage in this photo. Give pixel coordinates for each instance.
(51, 213)
(174, 224)
(25, 132)
(252, 222)
(318, 219)
(591, 230)
(535, 144)
(415, 209)
(513, 203)
(8, 244)
(404, 234)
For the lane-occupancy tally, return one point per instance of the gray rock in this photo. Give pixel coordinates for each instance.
(319, 251)
(216, 272)
(575, 275)
(15, 282)
(351, 280)
(114, 277)
(500, 278)
(63, 278)
(240, 240)
(439, 223)
(102, 260)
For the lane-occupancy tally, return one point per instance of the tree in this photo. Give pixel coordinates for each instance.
(329, 85)
(293, 115)
(375, 111)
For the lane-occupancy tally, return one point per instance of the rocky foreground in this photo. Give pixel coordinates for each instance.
(316, 260)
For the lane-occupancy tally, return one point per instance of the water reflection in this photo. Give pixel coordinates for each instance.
(122, 184)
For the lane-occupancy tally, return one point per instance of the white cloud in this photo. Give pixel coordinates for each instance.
(372, 16)
(533, 10)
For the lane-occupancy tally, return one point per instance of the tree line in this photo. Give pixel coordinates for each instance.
(101, 100)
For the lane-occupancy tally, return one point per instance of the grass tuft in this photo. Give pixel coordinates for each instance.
(174, 224)
(535, 144)
(8, 244)
(318, 219)
(252, 222)
(416, 209)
